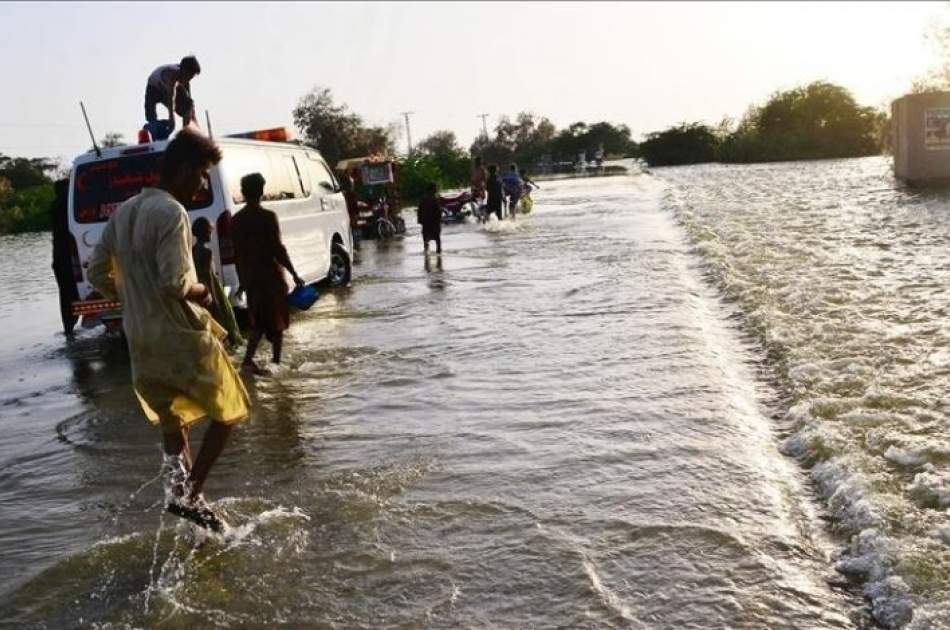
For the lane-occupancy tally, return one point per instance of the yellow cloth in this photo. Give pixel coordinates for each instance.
(179, 367)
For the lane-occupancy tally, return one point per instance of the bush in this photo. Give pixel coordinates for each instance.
(26, 210)
(446, 170)
(686, 144)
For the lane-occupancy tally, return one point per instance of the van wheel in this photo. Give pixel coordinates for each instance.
(340, 267)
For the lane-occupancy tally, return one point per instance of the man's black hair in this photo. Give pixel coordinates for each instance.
(492, 169)
(190, 65)
(188, 148)
(200, 226)
(252, 185)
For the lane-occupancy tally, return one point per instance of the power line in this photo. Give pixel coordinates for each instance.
(484, 124)
(32, 125)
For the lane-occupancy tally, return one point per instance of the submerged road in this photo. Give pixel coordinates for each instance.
(556, 424)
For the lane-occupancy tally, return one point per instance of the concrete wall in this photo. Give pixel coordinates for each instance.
(920, 127)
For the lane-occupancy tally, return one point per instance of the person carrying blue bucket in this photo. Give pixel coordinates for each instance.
(261, 258)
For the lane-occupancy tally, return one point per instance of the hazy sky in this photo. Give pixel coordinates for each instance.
(648, 65)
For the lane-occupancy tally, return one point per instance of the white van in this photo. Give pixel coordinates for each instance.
(301, 189)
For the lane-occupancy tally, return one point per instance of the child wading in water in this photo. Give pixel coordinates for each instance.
(220, 306)
(430, 218)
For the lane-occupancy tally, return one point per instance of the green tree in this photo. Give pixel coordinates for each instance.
(112, 139)
(337, 132)
(25, 172)
(438, 159)
(581, 138)
(937, 77)
(25, 210)
(441, 142)
(686, 143)
(818, 120)
(523, 140)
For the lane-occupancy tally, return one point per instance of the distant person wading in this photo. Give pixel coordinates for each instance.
(430, 218)
(495, 191)
(514, 188)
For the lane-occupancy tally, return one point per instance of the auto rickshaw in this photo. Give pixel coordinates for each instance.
(373, 201)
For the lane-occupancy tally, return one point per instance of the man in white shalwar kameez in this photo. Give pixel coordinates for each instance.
(180, 370)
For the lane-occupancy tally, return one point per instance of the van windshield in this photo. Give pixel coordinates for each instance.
(100, 187)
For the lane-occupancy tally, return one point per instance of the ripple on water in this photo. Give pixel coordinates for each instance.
(843, 276)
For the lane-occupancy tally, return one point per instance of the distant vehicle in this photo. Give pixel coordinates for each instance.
(457, 208)
(300, 189)
(376, 187)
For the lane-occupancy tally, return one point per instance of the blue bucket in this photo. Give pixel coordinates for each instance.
(159, 130)
(303, 297)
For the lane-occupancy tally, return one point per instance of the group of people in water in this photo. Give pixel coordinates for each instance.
(497, 189)
(490, 192)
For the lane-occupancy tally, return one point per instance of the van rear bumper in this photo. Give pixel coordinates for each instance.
(104, 309)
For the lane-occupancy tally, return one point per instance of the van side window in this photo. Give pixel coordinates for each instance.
(280, 185)
(241, 161)
(302, 176)
(322, 178)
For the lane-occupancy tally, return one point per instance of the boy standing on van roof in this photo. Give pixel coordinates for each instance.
(180, 370)
(170, 85)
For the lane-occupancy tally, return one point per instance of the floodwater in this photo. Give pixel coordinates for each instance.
(706, 397)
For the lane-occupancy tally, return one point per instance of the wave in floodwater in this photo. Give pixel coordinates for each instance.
(844, 277)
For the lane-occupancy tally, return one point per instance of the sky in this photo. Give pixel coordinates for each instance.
(646, 65)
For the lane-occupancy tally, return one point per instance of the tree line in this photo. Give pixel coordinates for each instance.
(814, 121)
(526, 139)
(820, 120)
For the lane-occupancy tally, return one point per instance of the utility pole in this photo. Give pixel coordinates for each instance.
(408, 133)
(484, 125)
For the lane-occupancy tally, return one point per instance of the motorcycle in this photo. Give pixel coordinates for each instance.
(457, 208)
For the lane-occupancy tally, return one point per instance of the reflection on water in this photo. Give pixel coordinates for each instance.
(555, 423)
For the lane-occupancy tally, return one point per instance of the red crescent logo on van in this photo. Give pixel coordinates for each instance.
(85, 241)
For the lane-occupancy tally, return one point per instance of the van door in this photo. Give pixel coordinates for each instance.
(285, 193)
(333, 215)
(297, 211)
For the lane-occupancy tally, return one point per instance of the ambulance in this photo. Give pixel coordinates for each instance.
(300, 188)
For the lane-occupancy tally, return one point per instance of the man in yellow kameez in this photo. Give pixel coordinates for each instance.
(180, 370)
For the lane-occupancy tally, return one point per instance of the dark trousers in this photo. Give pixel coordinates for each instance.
(63, 271)
(432, 235)
(153, 97)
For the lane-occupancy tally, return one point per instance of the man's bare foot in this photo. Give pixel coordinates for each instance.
(250, 367)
